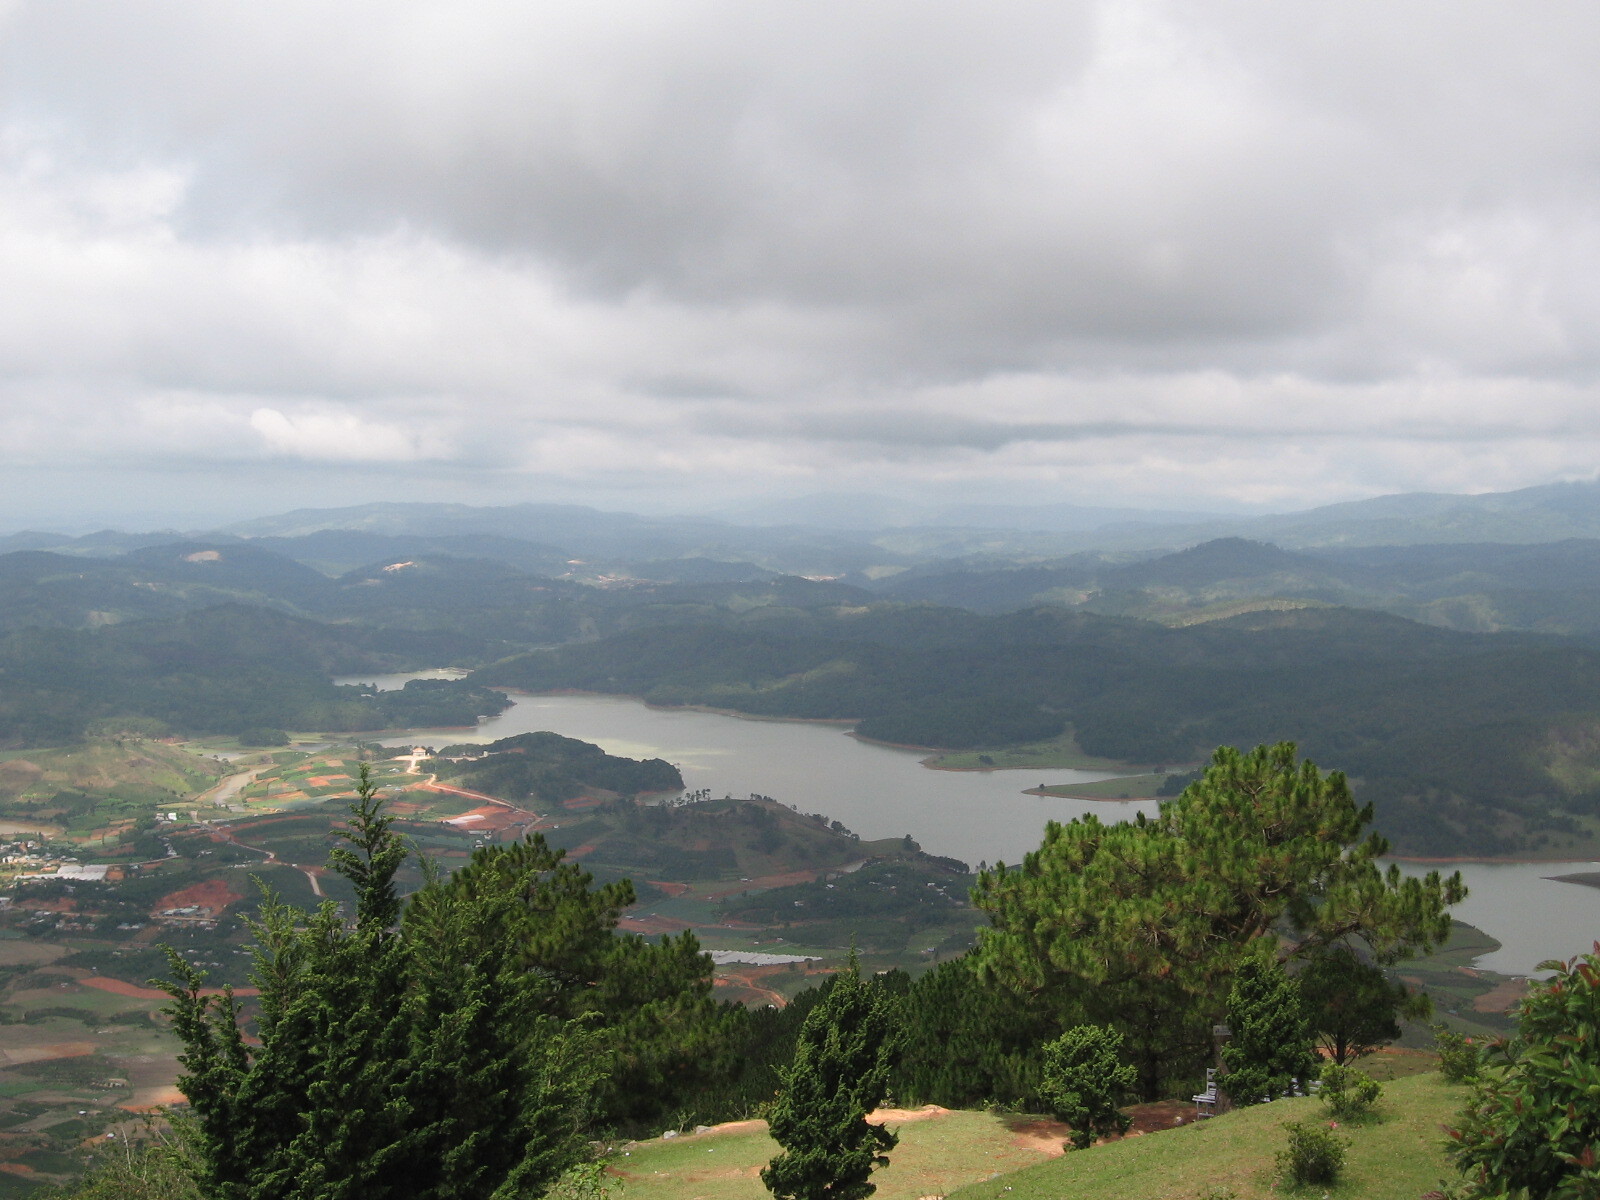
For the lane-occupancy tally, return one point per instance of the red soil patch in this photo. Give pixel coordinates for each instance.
(120, 987)
(55, 906)
(579, 852)
(1050, 1137)
(33, 1054)
(328, 780)
(578, 803)
(745, 989)
(151, 1099)
(16, 1168)
(487, 818)
(669, 887)
(1162, 1114)
(212, 895)
(1503, 997)
(901, 1116)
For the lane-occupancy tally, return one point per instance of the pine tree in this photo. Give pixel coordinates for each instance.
(1271, 1043)
(399, 1056)
(840, 1072)
(1140, 925)
(1352, 1007)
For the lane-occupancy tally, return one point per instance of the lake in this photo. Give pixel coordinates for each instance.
(976, 816)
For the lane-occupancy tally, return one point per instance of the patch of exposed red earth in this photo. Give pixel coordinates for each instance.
(668, 886)
(579, 803)
(213, 896)
(121, 987)
(1050, 1137)
(55, 906)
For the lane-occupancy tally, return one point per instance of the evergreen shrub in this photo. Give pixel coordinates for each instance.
(1315, 1153)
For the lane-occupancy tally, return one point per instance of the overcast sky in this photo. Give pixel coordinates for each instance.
(1223, 255)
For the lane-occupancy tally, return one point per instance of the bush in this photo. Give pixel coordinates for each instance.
(1084, 1080)
(1459, 1057)
(1348, 1093)
(1315, 1153)
(1531, 1126)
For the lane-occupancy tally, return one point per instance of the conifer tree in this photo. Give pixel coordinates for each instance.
(1271, 1043)
(399, 1058)
(1084, 1081)
(1352, 1007)
(1140, 925)
(840, 1072)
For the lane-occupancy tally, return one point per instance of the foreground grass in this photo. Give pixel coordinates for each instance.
(982, 1156)
(1398, 1156)
(936, 1155)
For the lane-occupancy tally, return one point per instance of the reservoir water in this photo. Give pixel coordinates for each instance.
(881, 791)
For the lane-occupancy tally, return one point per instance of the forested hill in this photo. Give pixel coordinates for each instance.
(548, 768)
(1465, 742)
(222, 670)
(1550, 588)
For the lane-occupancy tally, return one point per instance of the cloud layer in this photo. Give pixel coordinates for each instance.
(1232, 254)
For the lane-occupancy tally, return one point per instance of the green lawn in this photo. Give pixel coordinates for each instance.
(983, 1156)
(1397, 1157)
(935, 1156)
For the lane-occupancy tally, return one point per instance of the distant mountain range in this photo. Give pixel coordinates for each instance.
(838, 535)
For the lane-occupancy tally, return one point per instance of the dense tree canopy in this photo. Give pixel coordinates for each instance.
(452, 1046)
(1141, 925)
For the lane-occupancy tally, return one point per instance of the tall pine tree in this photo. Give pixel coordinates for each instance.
(1140, 925)
(398, 1057)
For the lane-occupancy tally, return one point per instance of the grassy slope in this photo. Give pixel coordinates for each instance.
(1397, 1157)
(146, 770)
(976, 1156)
(935, 1156)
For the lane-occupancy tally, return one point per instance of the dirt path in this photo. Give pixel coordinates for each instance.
(227, 788)
(747, 983)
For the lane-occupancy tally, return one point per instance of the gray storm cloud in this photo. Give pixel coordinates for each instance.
(1145, 252)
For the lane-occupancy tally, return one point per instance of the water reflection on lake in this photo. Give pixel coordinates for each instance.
(879, 792)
